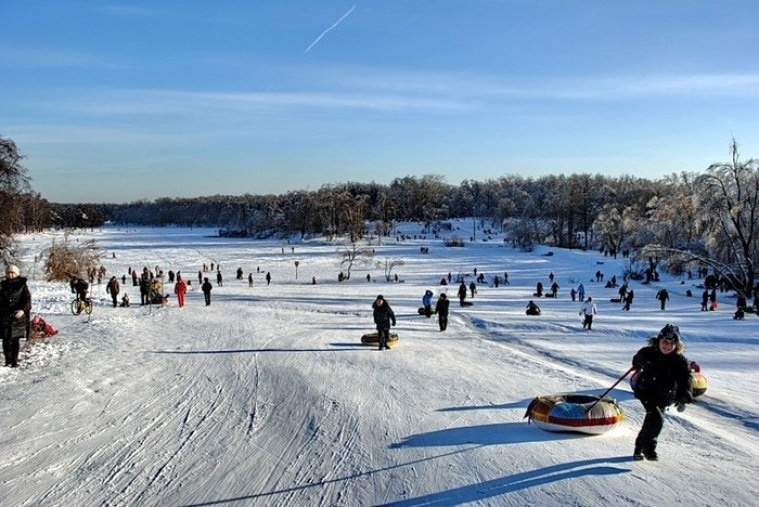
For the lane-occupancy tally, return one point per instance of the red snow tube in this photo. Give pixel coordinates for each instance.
(578, 413)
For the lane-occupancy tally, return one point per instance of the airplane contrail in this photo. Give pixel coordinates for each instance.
(334, 25)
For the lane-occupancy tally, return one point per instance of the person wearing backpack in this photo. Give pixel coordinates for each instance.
(661, 378)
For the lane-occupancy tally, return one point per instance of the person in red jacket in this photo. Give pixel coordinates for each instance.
(180, 289)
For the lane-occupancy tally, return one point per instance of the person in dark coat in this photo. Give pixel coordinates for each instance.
(79, 286)
(532, 308)
(113, 289)
(661, 378)
(206, 288)
(441, 308)
(629, 299)
(663, 297)
(15, 307)
(383, 318)
(219, 278)
(705, 300)
(462, 293)
(427, 303)
(539, 289)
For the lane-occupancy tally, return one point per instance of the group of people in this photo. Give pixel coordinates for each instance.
(661, 378)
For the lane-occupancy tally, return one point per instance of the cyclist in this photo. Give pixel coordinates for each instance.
(80, 288)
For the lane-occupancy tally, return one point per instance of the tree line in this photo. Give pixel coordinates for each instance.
(690, 220)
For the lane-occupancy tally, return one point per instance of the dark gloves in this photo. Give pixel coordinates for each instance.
(682, 399)
(685, 397)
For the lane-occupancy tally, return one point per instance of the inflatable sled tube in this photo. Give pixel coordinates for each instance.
(373, 339)
(698, 383)
(569, 412)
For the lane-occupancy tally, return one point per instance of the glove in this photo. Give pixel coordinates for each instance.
(681, 406)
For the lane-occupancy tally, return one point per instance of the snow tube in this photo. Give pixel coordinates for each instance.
(569, 412)
(373, 339)
(698, 382)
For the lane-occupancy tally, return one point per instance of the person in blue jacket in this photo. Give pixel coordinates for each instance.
(427, 303)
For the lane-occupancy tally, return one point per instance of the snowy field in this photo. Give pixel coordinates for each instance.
(267, 397)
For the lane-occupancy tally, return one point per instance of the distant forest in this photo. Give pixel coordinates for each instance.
(690, 219)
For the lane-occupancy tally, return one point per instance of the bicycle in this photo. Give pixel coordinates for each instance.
(78, 306)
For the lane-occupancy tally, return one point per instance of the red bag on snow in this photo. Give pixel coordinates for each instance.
(42, 327)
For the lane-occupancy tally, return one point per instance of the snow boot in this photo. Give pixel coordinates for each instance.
(638, 454)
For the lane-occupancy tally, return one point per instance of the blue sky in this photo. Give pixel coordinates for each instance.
(115, 101)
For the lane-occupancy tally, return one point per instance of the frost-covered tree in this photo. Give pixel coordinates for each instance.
(728, 195)
(14, 182)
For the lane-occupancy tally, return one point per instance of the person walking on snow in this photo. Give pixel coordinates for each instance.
(663, 297)
(588, 310)
(661, 378)
(180, 289)
(206, 288)
(383, 318)
(113, 288)
(462, 293)
(441, 308)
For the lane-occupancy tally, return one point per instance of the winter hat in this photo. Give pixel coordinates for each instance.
(380, 297)
(670, 333)
(13, 269)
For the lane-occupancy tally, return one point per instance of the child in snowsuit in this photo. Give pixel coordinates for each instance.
(180, 289)
(662, 377)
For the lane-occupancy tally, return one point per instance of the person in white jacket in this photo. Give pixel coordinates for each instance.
(588, 310)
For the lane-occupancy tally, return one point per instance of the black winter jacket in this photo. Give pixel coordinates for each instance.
(383, 315)
(14, 296)
(661, 378)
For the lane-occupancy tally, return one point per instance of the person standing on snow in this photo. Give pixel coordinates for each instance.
(113, 289)
(15, 306)
(206, 288)
(180, 289)
(383, 318)
(663, 297)
(587, 311)
(427, 303)
(462, 293)
(441, 308)
(662, 377)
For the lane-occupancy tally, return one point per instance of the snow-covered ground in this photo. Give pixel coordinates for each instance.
(267, 397)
